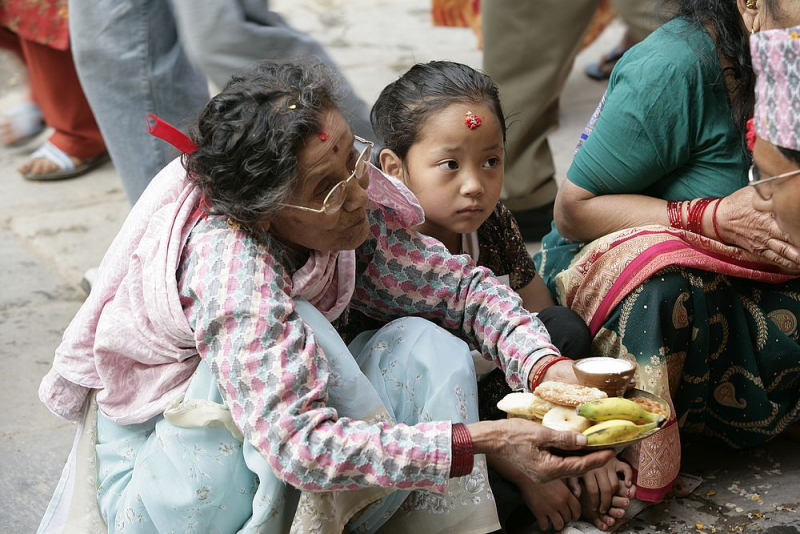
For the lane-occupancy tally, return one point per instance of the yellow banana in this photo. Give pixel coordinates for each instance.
(616, 408)
(614, 431)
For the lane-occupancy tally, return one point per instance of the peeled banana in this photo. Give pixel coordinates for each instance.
(615, 408)
(614, 431)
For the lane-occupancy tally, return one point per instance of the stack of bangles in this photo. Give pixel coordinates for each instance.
(538, 373)
(463, 454)
(694, 214)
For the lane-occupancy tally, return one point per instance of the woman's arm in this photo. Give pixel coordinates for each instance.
(536, 296)
(582, 216)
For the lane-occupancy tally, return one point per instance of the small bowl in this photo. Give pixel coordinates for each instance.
(611, 375)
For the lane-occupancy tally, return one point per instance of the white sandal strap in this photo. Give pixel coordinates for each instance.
(51, 152)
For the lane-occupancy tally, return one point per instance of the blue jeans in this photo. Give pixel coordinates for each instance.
(136, 57)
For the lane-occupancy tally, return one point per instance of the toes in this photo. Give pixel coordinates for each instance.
(619, 502)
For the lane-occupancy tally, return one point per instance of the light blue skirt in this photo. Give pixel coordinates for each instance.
(160, 477)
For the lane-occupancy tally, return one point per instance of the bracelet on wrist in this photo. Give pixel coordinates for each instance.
(463, 452)
(538, 373)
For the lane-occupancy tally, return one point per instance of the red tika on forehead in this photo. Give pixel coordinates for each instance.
(323, 136)
(472, 121)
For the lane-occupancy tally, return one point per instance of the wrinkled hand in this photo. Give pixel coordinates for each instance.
(755, 231)
(552, 503)
(527, 448)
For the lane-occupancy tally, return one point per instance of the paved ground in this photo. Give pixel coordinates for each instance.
(50, 233)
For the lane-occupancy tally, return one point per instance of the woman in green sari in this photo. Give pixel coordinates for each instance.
(658, 248)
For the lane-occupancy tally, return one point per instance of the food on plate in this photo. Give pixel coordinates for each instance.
(568, 394)
(565, 419)
(615, 431)
(525, 405)
(618, 408)
(651, 406)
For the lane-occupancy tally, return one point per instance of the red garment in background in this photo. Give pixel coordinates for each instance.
(41, 21)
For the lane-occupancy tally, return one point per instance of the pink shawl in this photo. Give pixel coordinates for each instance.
(131, 340)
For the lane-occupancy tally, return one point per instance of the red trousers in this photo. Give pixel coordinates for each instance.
(56, 89)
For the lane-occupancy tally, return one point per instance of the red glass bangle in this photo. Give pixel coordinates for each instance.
(538, 374)
(463, 453)
(697, 209)
(714, 220)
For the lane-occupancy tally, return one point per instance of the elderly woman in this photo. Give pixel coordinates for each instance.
(775, 135)
(216, 385)
(775, 127)
(657, 245)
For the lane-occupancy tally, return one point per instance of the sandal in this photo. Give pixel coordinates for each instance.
(602, 69)
(24, 123)
(66, 167)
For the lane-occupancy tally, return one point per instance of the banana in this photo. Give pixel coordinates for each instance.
(616, 408)
(615, 431)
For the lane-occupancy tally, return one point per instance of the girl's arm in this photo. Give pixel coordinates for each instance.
(536, 296)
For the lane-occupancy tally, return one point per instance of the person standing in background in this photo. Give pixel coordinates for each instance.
(137, 57)
(37, 33)
(551, 32)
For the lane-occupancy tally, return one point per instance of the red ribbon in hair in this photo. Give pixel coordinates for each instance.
(164, 130)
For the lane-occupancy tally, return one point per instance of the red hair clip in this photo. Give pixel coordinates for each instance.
(750, 136)
(472, 121)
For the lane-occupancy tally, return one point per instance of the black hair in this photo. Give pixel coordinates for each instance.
(249, 137)
(724, 21)
(403, 106)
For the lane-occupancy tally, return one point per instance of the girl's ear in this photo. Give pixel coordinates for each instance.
(391, 163)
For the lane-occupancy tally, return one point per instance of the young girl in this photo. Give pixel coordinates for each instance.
(443, 133)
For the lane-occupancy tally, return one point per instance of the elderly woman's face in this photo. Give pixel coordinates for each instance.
(326, 160)
(783, 194)
(781, 14)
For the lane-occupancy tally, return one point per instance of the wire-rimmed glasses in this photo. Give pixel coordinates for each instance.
(754, 178)
(335, 198)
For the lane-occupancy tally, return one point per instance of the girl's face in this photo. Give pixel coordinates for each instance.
(455, 172)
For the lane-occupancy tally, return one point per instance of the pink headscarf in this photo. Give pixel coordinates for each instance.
(776, 62)
(131, 340)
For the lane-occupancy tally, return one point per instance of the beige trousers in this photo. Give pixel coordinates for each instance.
(529, 47)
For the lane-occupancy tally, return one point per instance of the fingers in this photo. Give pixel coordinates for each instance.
(785, 250)
(567, 441)
(574, 507)
(608, 482)
(557, 521)
(626, 472)
(574, 486)
(578, 465)
(592, 491)
(542, 520)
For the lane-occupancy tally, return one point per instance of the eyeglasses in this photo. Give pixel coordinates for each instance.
(335, 199)
(755, 179)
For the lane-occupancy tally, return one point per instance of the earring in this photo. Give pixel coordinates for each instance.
(751, 4)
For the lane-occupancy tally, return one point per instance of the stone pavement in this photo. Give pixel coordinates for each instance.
(50, 233)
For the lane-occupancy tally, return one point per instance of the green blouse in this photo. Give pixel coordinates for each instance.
(666, 130)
